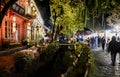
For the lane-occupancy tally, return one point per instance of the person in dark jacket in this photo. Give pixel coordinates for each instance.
(103, 43)
(113, 48)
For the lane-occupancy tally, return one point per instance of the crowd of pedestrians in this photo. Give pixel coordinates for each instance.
(96, 41)
(111, 45)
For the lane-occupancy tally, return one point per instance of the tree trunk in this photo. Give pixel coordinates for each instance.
(103, 19)
(56, 32)
(53, 31)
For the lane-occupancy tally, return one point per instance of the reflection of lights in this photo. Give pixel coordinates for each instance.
(28, 27)
(107, 31)
(14, 19)
(28, 11)
(14, 24)
(35, 12)
(71, 56)
(31, 4)
(28, 24)
(14, 30)
(33, 8)
(110, 33)
(14, 27)
(117, 27)
(27, 3)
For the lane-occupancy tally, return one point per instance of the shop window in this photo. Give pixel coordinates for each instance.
(9, 34)
(18, 31)
(5, 23)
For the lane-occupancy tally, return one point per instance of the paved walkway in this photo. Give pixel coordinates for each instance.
(9, 51)
(103, 63)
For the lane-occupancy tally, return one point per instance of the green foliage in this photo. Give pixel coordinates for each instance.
(78, 48)
(66, 15)
(82, 64)
(92, 69)
(75, 14)
(48, 53)
(32, 43)
(63, 62)
(23, 61)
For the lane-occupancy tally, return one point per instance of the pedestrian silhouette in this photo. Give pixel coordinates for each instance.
(113, 48)
(103, 43)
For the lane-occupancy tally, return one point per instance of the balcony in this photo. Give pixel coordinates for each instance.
(21, 11)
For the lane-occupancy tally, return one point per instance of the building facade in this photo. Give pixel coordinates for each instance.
(22, 21)
(37, 27)
(16, 21)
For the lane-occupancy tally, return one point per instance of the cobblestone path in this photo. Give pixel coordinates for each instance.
(103, 64)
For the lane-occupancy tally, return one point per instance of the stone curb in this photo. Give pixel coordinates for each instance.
(10, 51)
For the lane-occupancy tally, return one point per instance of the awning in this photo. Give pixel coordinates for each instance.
(86, 31)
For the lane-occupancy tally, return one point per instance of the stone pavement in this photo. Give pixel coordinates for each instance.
(103, 64)
(10, 51)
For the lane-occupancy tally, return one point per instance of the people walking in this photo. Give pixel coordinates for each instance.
(99, 41)
(107, 43)
(103, 43)
(92, 42)
(113, 48)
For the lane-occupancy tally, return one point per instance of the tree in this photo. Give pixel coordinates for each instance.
(6, 5)
(114, 18)
(99, 10)
(68, 14)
